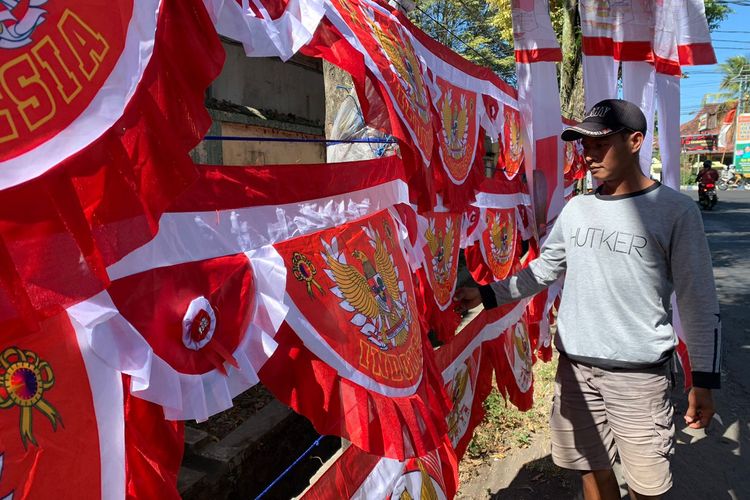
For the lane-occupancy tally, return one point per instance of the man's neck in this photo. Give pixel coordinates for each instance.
(631, 183)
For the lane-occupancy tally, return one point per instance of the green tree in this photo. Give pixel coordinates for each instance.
(473, 28)
(735, 69)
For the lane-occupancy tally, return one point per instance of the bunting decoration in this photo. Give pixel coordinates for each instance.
(139, 290)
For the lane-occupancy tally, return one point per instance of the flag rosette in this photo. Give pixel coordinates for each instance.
(361, 368)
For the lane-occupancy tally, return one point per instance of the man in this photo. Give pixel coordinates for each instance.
(623, 250)
(707, 175)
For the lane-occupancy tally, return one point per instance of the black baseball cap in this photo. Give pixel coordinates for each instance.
(608, 117)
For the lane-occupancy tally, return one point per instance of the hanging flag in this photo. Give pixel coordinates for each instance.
(357, 475)
(442, 235)
(537, 52)
(513, 358)
(267, 28)
(87, 98)
(362, 367)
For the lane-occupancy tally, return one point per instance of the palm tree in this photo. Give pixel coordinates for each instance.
(735, 69)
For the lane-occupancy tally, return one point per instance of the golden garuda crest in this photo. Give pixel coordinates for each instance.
(440, 244)
(501, 236)
(455, 118)
(370, 288)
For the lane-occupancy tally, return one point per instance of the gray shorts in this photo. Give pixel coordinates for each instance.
(598, 414)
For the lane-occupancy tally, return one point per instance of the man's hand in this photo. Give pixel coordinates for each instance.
(700, 408)
(466, 298)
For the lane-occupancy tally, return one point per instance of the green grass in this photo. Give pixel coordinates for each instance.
(505, 427)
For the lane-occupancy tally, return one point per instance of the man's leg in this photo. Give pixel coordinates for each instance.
(581, 438)
(639, 412)
(638, 496)
(600, 485)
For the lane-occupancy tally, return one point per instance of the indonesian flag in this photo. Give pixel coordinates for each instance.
(357, 475)
(513, 357)
(267, 28)
(87, 100)
(537, 52)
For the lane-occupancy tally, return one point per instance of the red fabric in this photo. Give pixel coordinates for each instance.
(154, 448)
(621, 51)
(58, 232)
(221, 188)
(336, 406)
(66, 453)
(539, 55)
(155, 303)
(684, 357)
(512, 357)
(352, 286)
(443, 323)
(695, 54)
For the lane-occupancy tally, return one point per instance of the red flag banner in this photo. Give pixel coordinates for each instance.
(442, 235)
(353, 309)
(87, 100)
(357, 475)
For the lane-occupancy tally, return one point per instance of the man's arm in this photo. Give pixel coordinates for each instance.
(540, 273)
(693, 279)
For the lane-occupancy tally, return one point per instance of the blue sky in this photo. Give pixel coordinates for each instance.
(730, 39)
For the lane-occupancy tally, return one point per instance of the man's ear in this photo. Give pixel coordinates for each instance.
(635, 141)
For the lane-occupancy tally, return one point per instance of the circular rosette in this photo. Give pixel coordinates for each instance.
(192, 335)
(353, 330)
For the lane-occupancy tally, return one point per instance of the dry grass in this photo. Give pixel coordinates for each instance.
(505, 427)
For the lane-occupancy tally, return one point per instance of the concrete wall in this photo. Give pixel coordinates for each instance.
(294, 87)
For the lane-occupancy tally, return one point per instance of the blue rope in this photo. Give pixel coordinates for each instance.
(290, 139)
(288, 469)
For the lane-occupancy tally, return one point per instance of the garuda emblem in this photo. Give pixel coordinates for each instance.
(440, 244)
(513, 147)
(18, 20)
(501, 237)
(370, 288)
(459, 390)
(455, 125)
(518, 351)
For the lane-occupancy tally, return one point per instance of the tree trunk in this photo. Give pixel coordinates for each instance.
(571, 69)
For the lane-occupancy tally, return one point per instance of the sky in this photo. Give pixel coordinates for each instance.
(731, 38)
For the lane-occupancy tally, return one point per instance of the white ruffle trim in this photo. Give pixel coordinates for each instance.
(188, 396)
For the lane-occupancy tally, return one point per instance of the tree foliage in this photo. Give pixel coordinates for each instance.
(476, 29)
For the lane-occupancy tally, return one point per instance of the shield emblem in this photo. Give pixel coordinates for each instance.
(518, 351)
(358, 311)
(441, 255)
(457, 109)
(498, 243)
(513, 155)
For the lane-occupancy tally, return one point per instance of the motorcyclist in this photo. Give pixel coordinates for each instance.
(707, 175)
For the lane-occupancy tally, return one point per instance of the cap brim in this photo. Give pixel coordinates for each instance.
(589, 129)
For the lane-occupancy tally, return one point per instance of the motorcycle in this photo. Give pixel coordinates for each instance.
(730, 179)
(707, 197)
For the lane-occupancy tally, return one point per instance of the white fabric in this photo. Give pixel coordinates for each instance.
(187, 396)
(104, 109)
(107, 395)
(266, 37)
(638, 87)
(693, 26)
(668, 104)
(191, 236)
(599, 79)
(667, 20)
(532, 27)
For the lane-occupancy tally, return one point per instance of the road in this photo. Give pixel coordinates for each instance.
(707, 465)
(716, 465)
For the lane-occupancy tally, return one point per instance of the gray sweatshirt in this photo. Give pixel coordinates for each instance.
(622, 257)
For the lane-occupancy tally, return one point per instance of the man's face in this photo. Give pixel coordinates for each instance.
(609, 158)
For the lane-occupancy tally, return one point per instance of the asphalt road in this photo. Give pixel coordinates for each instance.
(716, 465)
